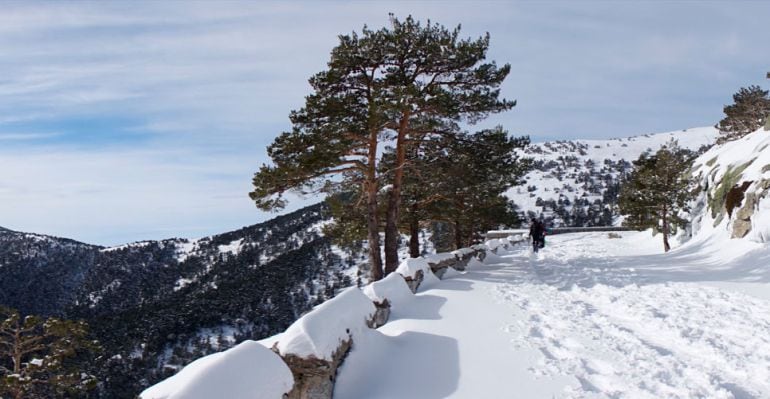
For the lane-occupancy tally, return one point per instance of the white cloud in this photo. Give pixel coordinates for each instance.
(10, 136)
(205, 86)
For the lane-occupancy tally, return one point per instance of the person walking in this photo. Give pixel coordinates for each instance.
(537, 233)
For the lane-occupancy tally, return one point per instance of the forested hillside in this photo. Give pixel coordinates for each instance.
(157, 305)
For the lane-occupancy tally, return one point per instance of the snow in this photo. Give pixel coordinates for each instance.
(138, 244)
(233, 247)
(181, 283)
(410, 267)
(247, 371)
(320, 332)
(440, 257)
(184, 249)
(587, 317)
(393, 288)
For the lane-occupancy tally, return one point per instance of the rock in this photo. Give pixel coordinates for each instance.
(382, 314)
(314, 378)
(742, 222)
(439, 267)
(414, 283)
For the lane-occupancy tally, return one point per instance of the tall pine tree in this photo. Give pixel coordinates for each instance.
(399, 84)
(337, 132)
(435, 80)
(657, 190)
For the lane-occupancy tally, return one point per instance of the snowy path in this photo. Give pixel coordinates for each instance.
(590, 317)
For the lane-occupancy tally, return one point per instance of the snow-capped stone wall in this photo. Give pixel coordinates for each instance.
(304, 359)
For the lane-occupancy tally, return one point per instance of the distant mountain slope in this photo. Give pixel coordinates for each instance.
(40, 274)
(156, 305)
(576, 182)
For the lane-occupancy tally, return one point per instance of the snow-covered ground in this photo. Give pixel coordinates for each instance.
(588, 317)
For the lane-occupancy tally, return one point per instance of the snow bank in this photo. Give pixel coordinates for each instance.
(462, 252)
(393, 288)
(491, 258)
(495, 243)
(320, 332)
(440, 257)
(409, 268)
(247, 371)
(473, 264)
(451, 272)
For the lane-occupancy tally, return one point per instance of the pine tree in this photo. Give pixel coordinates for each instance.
(435, 80)
(337, 132)
(749, 113)
(462, 181)
(400, 83)
(657, 190)
(34, 355)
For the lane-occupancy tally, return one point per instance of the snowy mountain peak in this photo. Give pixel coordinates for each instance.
(627, 148)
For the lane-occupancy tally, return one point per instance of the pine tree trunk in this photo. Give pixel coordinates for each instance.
(372, 217)
(414, 237)
(458, 235)
(666, 246)
(16, 355)
(394, 200)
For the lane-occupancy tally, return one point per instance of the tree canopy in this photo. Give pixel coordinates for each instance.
(748, 113)
(34, 356)
(398, 85)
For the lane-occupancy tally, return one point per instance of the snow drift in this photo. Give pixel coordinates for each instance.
(247, 371)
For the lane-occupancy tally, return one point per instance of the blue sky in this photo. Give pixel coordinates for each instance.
(122, 121)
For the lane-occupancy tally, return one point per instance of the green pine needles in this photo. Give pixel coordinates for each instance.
(658, 190)
(748, 113)
(400, 85)
(36, 354)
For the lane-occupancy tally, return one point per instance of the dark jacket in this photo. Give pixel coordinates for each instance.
(537, 229)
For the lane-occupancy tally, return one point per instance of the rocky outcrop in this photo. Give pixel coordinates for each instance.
(734, 179)
(742, 223)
